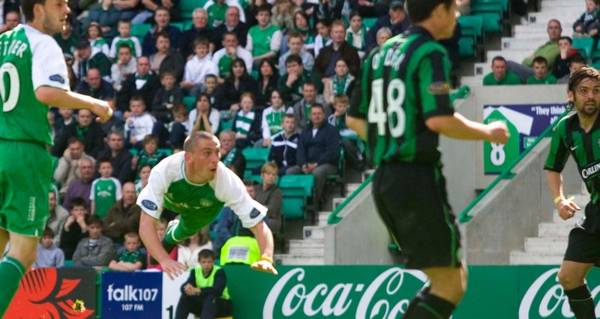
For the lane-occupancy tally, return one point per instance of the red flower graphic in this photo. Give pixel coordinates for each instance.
(34, 299)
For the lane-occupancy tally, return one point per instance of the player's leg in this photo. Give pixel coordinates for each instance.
(20, 257)
(209, 308)
(572, 278)
(180, 229)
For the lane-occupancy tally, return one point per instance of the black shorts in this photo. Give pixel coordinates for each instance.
(584, 240)
(411, 199)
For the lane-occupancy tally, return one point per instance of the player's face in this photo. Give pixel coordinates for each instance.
(205, 158)
(54, 15)
(586, 97)
(206, 264)
(447, 20)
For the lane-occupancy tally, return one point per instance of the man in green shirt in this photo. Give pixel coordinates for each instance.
(35, 76)
(549, 50)
(264, 39)
(540, 72)
(577, 134)
(401, 119)
(500, 75)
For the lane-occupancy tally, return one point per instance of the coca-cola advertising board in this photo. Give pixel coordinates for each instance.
(383, 292)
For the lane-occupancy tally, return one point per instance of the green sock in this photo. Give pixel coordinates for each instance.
(11, 272)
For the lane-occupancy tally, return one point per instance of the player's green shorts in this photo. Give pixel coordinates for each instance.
(25, 176)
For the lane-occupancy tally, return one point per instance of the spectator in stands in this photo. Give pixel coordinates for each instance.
(67, 39)
(231, 51)
(247, 122)
(166, 58)
(290, 84)
(561, 66)
(236, 84)
(162, 18)
(301, 109)
(127, 9)
(75, 227)
(187, 251)
(205, 292)
(318, 150)
(396, 20)
(232, 24)
(216, 12)
(356, 34)
(383, 35)
(125, 38)
(283, 14)
(226, 226)
(587, 24)
(464, 7)
(11, 20)
(106, 15)
(67, 169)
(118, 155)
(272, 118)
(106, 190)
(124, 66)
(231, 156)
(131, 257)
(576, 62)
(303, 27)
(124, 216)
(295, 44)
(180, 127)
(96, 250)
(198, 67)
(338, 84)
(139, 123)
(540, 72)
(166, 97)
(95, 86)
(267, 82)
(144, 82)
(48, 254)
(204, 117)
(500, 75)
(149, 155)
(199, 29)
(84, 61)
(284, 145)
(215, 92)
(66, 117)
(264, 39)
(352, 145)
(144, 175)
(69, 60)
(82, 186)
(268, 194)
(338, 49)
(322, 39)
(97, 42)
(57, 216)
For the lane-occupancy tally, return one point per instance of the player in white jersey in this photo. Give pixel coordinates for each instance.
(196, 185)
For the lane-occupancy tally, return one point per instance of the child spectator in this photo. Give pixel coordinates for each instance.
(338, 84)
(106, 190)
(138, 122)
(356, 34)
(96, 250)
(198, 67)
(131, 257)
(272, 118)
(268, 194)
(212, 90)
(352, 145)
(94, 36)
(48, 254)
(149, 155)
(125, 38)
(124, 65)
(75, 227)
(540, 72)
(587, 24)
(246, 123)
(180, 127)
(264, 39)
(144, 175)
(167, 96)
(204, 117)
(322, 39)
(285, 144)
(188, 250)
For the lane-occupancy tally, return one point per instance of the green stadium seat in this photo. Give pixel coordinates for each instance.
(140, 30)
(492, 12)
(187, 7)
(189, 102)
(369, 22)
(584, 45)
(255, 158)
(338, 177)
(467, 47)
(472, 26)
(178, 25)
(297, 191)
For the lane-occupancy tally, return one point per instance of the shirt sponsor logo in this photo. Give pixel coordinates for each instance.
(57, 78)
(149, 204)
(590, 171)
(439, 88)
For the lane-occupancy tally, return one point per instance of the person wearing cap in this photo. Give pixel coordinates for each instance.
(85, 61)
(396, 20)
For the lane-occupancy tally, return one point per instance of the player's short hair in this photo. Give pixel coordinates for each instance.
(191, 141)
(206, 253)
(94, 220)
(498, 58)
(131, 235)
(582, 74)
(27, 6)
(73, 140)
(540, 60)
(48, 232)
(341, 98)
(201, 41)
(149, 139)
(419, 10)
(78, 202)
(293, 58)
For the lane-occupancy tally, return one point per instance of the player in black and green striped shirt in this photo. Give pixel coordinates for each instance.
(578, 134)
(400, 105)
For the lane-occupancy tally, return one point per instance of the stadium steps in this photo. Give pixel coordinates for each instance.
(311, 249)
(550, 245)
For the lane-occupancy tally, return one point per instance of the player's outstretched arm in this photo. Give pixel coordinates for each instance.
(459, 127)
(358, 125)
(156, 249)
(264, 237)
(566, 206)
(72, 100)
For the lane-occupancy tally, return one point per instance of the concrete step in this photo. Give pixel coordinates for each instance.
(523, 258)
(553, 245)
(322, 218)
(554, 229)
(472, 80)
(567, 26)
(314, 232)
(337, 201)
(289, 259)
(305, 243)
(522, 43)
(367, 173)
(564, 16)
(351, 187)
(514, 55)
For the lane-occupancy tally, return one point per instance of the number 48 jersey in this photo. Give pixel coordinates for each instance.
(402, 84)
(28, 59)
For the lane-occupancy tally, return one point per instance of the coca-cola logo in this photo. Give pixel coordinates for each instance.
(291, 297)
(545, 298)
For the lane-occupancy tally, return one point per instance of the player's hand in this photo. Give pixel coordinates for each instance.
(103, 110)
(567, 208)
(265, 264)
(498, 133)
(172, 268)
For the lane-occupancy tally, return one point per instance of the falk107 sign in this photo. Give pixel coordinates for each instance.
(525, 123)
